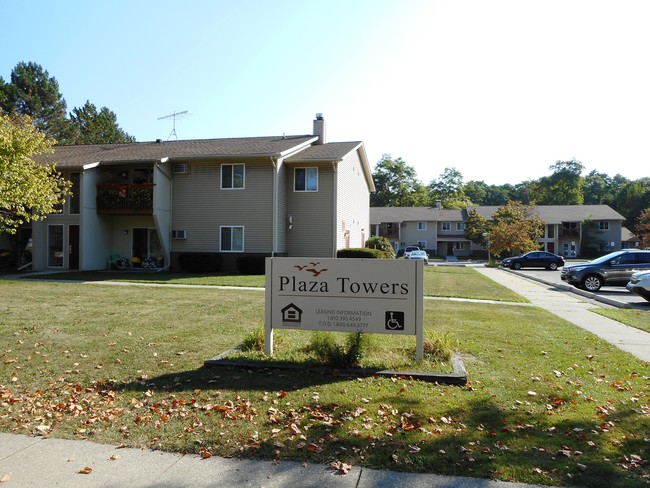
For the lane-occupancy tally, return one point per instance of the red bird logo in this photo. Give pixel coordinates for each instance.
(312, 269)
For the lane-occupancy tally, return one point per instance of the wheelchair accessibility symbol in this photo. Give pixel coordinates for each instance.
(394, 320)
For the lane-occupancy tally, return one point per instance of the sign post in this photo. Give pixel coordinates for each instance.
(345, 295)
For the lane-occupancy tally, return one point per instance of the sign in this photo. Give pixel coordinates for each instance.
(344, 295)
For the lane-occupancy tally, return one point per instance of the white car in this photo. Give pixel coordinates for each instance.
(409, 249)
(640, 284)
(419, 255)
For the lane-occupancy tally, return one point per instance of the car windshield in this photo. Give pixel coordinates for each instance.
(605, 258)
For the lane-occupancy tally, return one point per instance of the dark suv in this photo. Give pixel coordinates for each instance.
(613, 269)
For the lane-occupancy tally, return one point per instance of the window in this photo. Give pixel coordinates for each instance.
(232, 176)
(305, 179)
(55, 246)
(550, 231)
(460, 226)
(446, 226)
(603, 225)
(422, 226)
(459, 246)
(74, 199)
(232, 239)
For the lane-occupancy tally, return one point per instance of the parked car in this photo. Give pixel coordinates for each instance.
(409, 249)
(419, 255)
(640, 284)
(534, 259)
(613, 269)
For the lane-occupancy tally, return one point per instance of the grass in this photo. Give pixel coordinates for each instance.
(441, 281)
(547, 402)
(632, 317)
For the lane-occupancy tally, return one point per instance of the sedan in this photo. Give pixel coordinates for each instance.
(419, 255)
(640, 284)
(534, 259)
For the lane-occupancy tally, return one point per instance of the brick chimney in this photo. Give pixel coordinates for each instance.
(319, 129)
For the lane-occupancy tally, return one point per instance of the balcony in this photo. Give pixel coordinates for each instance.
(127, 199)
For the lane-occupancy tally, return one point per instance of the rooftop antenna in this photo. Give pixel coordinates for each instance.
(173, 117)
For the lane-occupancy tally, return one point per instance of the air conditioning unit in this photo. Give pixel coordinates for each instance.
(181, 169)
(179, 234)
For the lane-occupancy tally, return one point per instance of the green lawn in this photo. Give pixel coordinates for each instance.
(632, 317)
(547, 403)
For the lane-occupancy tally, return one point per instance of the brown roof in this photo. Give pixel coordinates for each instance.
(332, 151)
(77, 156)
(552, 214)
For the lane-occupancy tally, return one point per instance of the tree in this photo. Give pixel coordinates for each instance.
(28, 191)
(448, 188)
(92, 127)
(632, 199)
(515, 228)
(564, 186)
(34, 93)
(476, 226)
(643, 228)
(397, 185)
(597, 189)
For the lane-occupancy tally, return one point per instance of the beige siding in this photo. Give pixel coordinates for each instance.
(313, 214)
(201, 207)
(282, 208)
(353, 203)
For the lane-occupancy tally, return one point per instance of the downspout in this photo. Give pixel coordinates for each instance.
(335, 205)
(276, 170)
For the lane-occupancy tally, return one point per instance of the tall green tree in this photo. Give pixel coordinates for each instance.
(516, 228)
(92, 127)
(35, 93)
(598, 189)
(28, 190)
(632, 199)
(642, 228)
(449, 190)
(476, 227)
(564, 186)
(397, 185)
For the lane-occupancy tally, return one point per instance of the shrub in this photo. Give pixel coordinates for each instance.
(254, 340)
(439, 346)
(199, 262)
(381, 243)
(362, 252)
(328, 351)
(251, 265)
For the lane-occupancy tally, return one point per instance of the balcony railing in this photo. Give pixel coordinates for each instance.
(131, 199)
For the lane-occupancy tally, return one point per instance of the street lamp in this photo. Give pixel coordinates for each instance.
(486, 235)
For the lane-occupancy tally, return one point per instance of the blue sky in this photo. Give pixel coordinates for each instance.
(498, 89)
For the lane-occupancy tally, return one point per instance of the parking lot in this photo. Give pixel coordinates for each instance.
(616, 293)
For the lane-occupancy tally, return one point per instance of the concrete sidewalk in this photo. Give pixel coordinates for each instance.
(38, 461)
(574, 308)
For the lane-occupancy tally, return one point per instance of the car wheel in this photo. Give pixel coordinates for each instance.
(552, 266)
(516, 266)
(592, 283)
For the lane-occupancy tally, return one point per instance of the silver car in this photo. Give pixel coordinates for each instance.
(640, 284)
(419, 255)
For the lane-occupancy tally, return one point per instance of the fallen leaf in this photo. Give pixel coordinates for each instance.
(86, 470)
(341, 467)
(5, 478)
(114, 457)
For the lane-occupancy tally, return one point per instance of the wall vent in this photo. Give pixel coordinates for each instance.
(179, 234)
(181, 169)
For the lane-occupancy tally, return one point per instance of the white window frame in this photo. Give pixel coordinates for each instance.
(446, 226)
(460, 226)
(231, 167)
(232, 241)
(422, 226)
(306, 170)
(459, 245)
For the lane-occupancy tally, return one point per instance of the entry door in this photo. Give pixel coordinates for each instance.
(73, 247)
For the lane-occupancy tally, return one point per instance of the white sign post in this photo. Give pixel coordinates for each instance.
(345, 295)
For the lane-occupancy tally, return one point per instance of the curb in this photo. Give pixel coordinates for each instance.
(458, 377)
(572, 289)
